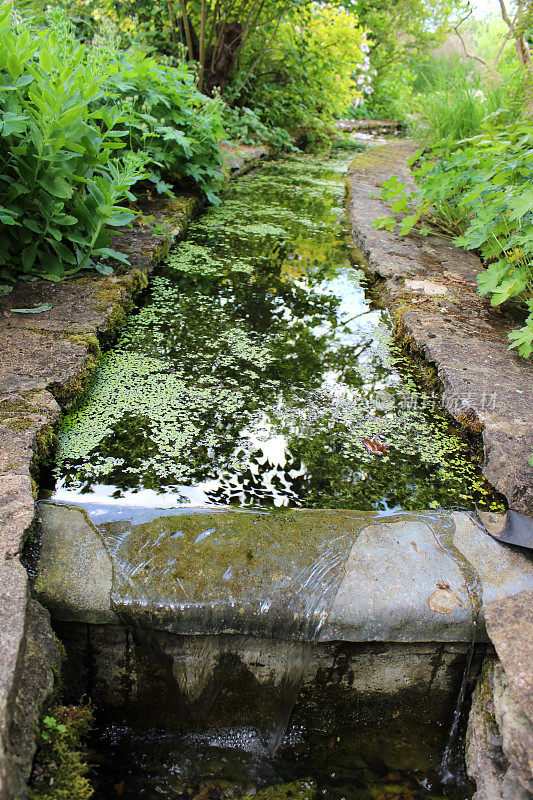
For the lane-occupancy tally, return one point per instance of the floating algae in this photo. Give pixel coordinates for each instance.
(256, 372)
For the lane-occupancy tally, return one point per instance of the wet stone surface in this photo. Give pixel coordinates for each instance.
(293, 574)
(357, 728)
(257, 373)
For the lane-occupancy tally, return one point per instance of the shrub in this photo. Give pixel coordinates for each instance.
(307, 81)
(172, 122)
(61, 182)
(482, 194)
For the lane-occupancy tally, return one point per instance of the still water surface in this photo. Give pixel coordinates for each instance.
(257, 372)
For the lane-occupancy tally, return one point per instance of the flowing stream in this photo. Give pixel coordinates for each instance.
(257, 372)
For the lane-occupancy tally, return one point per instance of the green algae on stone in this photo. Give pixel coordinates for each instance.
(259, 568)
(297, 790)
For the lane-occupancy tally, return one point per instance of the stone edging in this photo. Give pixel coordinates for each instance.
(430, 288)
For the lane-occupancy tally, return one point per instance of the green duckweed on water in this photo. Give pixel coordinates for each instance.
(257, 373)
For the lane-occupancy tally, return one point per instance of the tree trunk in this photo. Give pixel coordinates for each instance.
(227, 44)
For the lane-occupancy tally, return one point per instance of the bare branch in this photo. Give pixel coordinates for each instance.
(505, 15)
(459, 36)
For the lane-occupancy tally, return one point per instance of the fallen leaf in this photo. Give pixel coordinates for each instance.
(35, 310)
(374, 446)
(443, 600)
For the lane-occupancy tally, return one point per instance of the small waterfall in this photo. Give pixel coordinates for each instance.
(316, 585)
(452, 764)
(298, 656)
(259, 576)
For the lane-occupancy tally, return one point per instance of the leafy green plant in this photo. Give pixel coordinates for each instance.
(177, 126)
(244, 125)
(61, 182)
(60, 767)
(481, 194)
(401, 33)
(308, 81)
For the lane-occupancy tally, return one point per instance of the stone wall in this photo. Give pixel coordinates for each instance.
(499, 745)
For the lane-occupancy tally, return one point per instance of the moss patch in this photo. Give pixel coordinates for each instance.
(60, 766)
(13, 405)
(43, 444)
(297, 790)
(87, 340)
(66, 393)
(17, 423)
(10, 467)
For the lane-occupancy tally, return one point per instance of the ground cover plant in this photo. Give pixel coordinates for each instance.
(60, 768)
(172, 123)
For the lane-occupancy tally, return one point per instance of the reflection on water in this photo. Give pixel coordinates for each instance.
(257, 373)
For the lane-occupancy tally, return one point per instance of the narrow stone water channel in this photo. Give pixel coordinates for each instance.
(257, 373)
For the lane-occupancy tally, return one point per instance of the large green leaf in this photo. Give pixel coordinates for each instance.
(57, 186)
